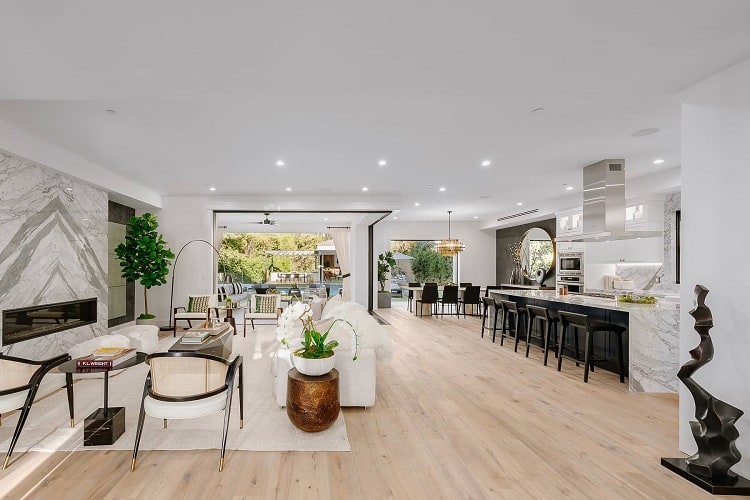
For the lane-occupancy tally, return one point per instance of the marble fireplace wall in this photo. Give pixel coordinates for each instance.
(53, 248)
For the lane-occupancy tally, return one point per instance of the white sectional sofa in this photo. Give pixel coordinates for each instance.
(356, 377)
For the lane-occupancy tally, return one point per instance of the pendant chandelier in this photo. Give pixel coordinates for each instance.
(450, 246)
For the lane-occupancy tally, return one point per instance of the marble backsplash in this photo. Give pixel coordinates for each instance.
(53, 248)
(644, 276)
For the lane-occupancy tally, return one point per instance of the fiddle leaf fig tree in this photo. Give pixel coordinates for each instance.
(386, 263)
(144, 256)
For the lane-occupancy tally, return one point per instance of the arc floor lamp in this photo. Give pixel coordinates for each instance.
(174, 268)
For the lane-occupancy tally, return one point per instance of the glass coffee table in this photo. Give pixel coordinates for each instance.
(106, 424)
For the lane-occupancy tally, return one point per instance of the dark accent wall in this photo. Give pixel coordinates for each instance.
(510, 235)
(119, 290)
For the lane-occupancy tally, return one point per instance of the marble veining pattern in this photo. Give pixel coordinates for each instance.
(672, 203)
(654, 349)
(644, 276)
(53, 248)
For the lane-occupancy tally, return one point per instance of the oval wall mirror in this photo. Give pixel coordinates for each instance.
(537, 254)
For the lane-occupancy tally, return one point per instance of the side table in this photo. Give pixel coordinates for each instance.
(230, 316)
(312, 403)
(106, 424)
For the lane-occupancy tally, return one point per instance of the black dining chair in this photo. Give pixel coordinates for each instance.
(465, 284)
(410, 298)
(429, 296)
(471, 297)
(450, 297)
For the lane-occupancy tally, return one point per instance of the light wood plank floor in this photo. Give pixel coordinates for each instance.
(456, 417)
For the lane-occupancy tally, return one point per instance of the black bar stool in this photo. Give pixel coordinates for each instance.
(590, 326)
(510, 307)
(489, 302)
(549, 321)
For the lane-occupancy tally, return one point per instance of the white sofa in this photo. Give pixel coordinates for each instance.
(356, 378)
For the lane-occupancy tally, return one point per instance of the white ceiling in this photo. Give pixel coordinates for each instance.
(292, 222)
(214, 93)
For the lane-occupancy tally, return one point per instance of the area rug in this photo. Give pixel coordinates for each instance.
(267, 427)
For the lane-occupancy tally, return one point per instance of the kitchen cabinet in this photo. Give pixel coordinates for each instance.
(570, 223)
(644, 214)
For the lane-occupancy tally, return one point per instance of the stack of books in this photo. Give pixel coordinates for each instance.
(106, 357)
(195, 337)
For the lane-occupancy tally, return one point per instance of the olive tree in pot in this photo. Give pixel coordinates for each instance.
(144, 257)
(386, 262)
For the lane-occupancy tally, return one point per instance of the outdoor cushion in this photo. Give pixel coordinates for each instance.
(265, 304)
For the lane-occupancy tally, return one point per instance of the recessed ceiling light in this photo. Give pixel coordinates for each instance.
(110, 111)
(288, 189)
(519, 203)
(486, 163)
(416, 204)
(395, 217)
(68, 189)
(382, 163)
(441, 189)
(658, 161)
(325, 218)
(365, 188)
(568, 188)
(280, 163)
(476, 216)
(212, 188)
(644, 131)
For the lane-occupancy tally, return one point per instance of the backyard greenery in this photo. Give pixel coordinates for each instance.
(427, 265)
(243, 255)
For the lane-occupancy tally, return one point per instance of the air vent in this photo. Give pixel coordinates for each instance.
(615, 167)
(519, 214)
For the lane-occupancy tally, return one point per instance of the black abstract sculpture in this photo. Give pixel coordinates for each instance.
(714, 430)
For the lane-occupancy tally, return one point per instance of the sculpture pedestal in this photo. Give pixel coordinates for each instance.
(737, 486)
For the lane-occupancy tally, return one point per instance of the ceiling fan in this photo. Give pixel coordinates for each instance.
(267, 221)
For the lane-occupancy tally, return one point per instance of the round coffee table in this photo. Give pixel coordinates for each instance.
(312, 403)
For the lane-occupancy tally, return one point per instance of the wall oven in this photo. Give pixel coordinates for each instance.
(574, 284)
(570, 263)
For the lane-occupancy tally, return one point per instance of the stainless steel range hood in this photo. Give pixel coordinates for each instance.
(604, 205)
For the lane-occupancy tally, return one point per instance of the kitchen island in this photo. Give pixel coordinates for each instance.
(652, 337)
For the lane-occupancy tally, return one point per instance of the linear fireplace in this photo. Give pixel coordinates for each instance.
(36, 321)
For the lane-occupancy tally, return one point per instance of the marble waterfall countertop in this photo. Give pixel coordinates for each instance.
(653, 331)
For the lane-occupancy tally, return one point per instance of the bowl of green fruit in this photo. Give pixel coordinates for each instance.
(633, 299)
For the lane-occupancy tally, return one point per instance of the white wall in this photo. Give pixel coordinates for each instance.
(716, 179)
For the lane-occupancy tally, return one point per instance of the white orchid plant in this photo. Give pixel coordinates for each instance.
(314, 343)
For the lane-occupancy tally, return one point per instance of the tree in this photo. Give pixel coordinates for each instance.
(428, 265)
(144, 256)
(386, 263)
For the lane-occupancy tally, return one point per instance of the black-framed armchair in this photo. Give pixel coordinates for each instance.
(183, 385)
(22, 381)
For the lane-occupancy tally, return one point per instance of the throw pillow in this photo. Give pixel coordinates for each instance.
(237, 288)
(198, 303)
(265, 303)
